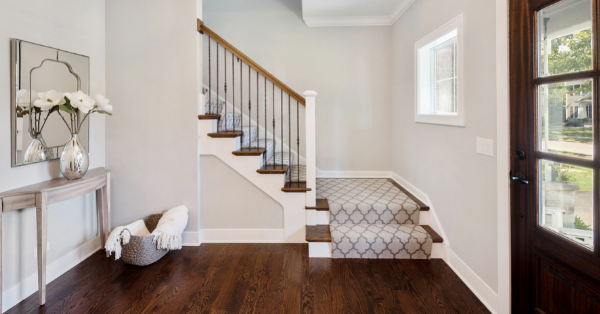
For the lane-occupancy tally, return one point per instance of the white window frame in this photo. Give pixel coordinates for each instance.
(444, 119)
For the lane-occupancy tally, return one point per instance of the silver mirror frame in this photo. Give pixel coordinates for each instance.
(15, 79)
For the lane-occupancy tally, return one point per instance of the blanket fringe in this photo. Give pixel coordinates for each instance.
(167, 242)
(113, 243)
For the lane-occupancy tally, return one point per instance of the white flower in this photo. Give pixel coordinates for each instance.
(81, 101)
(49, 99)
(23, 97)
(102, 103)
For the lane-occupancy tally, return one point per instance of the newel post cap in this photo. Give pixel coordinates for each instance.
(310, 93)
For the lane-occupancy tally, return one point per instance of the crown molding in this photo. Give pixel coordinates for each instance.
(347, 21)
(332, 21)
(399, 10)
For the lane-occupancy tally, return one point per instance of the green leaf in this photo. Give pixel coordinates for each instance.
(105, 112)
(65, 108)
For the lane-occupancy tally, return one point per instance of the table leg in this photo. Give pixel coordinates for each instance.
(100, 208)
(0, 255)
(41, 204)
(106, 205)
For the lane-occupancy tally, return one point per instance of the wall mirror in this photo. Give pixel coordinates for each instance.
(40, 69)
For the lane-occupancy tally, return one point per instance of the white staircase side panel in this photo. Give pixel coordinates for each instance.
(294, 216)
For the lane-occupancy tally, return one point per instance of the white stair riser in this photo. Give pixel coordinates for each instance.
(324, 249)
(314, 217)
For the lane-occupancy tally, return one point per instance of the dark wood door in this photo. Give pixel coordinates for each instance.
(555, 161)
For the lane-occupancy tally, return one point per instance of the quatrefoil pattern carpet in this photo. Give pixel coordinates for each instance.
(372, 218)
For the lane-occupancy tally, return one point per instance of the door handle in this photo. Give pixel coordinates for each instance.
(519, 177)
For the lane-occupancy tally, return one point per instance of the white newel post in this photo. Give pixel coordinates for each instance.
(311, 148)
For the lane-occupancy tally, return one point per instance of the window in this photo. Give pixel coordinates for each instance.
(438, 68)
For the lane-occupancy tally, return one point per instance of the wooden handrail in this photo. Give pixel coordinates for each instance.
(203, 29)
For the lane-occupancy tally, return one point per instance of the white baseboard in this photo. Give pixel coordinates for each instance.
(242, 235)
(486, 295)
(27, 287)
(190, 239)
(353, 174)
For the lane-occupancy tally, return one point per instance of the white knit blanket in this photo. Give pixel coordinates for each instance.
(167, 234)
(123, 233)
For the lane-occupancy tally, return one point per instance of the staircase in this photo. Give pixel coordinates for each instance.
(369, 218)
(261, 128)
(266, 132)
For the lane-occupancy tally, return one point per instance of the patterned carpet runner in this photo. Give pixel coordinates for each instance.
(372, 218)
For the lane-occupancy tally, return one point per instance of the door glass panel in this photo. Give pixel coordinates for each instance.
(565, 38)
(566, 205)
(565, 118)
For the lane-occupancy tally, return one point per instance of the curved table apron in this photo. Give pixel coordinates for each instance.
(41, 195)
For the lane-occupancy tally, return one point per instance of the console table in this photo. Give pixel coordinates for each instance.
(41, 195)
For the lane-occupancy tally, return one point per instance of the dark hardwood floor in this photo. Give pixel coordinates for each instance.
(256, 278)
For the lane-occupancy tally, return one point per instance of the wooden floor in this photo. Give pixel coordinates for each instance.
(256, 278)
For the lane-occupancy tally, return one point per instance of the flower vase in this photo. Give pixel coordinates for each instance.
(74, 160)
(37, 151)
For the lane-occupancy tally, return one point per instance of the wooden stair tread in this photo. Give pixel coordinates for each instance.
(322, 205)
(208, 116)
(295, 187)
(422, 206)
(228, 134)
(273, 169)
(319, 233)
(250, 151)
(434, 235)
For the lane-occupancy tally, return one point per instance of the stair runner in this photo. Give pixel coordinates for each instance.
(371, 218)
(250, 139)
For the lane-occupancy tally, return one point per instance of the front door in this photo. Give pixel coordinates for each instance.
(555, 161)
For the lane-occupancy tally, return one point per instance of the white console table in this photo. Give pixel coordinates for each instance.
(41, 195)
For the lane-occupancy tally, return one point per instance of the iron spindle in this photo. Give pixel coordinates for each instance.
(233, 89)
(298, 135)
(281, 98)
(257, 110)
(209, 80)
(274, 142)
(241, 101)
(225, 104)
(249, 109)
(266, 146)
(290, 132)
(217, 85)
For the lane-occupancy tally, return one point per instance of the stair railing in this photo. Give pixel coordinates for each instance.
(274, 129)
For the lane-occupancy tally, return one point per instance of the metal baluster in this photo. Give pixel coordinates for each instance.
(298, 135)
(209, 80)
(281, 98)
(225, 104)
(290, 132)
(266, 146)
(217, 86)
(249, 109)
(257, 110)
(274, 142)
(241, 102)
(233, 88)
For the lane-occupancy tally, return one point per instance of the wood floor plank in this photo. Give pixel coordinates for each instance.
(256, 278)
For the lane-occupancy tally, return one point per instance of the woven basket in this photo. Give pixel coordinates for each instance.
(140, 251)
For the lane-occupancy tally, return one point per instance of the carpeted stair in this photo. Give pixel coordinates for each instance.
(372, 218)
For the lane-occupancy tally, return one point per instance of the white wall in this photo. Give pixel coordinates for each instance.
(241, 206)
(441, 160)
(151, 141)
(348, 66)
(76, 26)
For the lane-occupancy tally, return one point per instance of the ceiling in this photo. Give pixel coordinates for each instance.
(323, 13)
